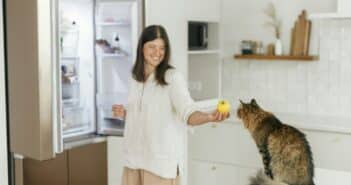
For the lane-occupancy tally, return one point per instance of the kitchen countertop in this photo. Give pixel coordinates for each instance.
(320, 123)
(310, 122)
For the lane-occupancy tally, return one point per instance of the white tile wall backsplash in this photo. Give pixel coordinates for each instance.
(316, 88)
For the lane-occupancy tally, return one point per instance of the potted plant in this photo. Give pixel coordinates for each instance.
(275, 23)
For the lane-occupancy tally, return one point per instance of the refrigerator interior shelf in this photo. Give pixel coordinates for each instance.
(70, 131)
(122, 24)
(69, 57)
(112, 131)
(106, 55)
(112, 118)
(74, 81)
(71, 101)
(69, 30)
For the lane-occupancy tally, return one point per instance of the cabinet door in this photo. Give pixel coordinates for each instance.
(201, 173)
(174, 21)
(330, 150)
(88, 165)
(115, 160)
(204, 10)
(207, 173)
(223, 142)
(53, 172)
(30, 76)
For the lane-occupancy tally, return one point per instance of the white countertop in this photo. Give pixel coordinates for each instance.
(311, 122)
(307, 122)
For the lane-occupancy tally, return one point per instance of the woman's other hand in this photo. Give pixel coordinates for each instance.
(216, 116)
(118, 111)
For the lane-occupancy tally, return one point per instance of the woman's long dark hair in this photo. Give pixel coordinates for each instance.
(151, 33)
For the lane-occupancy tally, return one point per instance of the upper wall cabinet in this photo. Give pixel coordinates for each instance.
(204, 10)
(172, 16)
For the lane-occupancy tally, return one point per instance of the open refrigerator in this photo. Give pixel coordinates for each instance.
(85, 51)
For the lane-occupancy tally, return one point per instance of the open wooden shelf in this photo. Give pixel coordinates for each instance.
(272, 57)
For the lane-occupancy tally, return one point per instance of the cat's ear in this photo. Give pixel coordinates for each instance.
(254, 103)
(241, 101)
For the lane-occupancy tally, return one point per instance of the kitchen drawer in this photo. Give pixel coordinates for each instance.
(85, 165)
(223, 142)
(209, 173)
(88, 165)
(330, 150)
(53, 172)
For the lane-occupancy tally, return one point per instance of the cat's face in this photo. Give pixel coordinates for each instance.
(246, 111)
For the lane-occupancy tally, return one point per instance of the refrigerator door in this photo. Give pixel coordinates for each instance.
(30, 69)
(77, 67)
(118, 24)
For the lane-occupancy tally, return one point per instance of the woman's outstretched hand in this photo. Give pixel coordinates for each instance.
(119, 111)
(216, 116)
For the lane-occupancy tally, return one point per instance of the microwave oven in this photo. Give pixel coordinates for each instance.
(197, 35)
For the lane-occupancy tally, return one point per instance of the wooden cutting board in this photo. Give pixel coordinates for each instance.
(300, 36)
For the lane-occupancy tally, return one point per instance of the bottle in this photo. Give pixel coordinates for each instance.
(115, 42)
(278, 47)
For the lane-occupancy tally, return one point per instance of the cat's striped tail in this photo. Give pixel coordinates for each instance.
(262, 179)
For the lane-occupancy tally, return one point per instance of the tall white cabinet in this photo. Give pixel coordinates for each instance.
(204, 66)
(172, 16)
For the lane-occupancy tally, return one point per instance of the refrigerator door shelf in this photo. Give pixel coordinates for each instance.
(70, 91)
(107, 123)
(75, 120)
(69, 42)
(70, 103)
(116, 55)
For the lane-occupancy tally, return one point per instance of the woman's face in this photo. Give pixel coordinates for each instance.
(154, 52)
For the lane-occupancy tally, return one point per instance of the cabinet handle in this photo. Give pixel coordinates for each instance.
(213, 168)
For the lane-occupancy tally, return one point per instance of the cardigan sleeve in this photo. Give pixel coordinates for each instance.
(180, 96)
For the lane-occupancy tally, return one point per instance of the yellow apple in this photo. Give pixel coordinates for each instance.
(223, 106)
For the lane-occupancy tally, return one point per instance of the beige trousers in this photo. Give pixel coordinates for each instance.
(142, 177)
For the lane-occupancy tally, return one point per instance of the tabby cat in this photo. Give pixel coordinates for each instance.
(286, 154)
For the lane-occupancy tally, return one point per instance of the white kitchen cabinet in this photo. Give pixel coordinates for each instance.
(174, 22)
(245, 174)
(172, 16)
(230, 144)
(223, 142)
(330, 150)
(204, 67)
(209, 173)
(115, 160)
(205, 10)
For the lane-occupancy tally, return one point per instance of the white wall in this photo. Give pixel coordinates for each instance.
(319, 88)
(314, 88)
(3, 138)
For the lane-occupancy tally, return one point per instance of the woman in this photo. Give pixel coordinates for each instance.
(158, 111)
